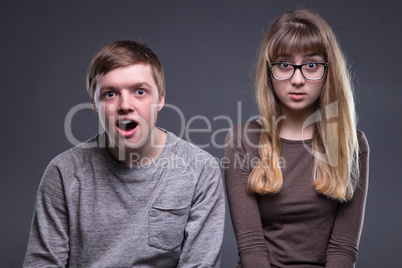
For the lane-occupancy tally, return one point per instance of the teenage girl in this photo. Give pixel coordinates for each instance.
(297, 179)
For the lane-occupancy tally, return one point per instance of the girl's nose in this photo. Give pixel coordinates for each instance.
(298, 78)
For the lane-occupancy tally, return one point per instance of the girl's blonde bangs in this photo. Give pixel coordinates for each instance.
(296, 40)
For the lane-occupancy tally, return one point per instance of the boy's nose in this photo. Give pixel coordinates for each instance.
(298, 78)
(126, 103)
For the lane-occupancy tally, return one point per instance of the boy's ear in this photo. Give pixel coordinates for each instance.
(94, 106)
(161, 102)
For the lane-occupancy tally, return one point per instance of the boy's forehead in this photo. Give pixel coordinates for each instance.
(131, 74)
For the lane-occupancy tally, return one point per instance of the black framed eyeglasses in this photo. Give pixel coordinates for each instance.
(282, 71)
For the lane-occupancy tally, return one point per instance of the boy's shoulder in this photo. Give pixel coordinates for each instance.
(77, 156)
(64, 168)
(195, 158)
(183, 148)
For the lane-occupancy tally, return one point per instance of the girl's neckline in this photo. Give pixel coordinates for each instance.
(287, 140)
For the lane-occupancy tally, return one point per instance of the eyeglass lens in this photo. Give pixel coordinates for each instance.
(284, 71)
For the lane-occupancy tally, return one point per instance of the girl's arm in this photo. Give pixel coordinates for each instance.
(344, 241)
(244, 210)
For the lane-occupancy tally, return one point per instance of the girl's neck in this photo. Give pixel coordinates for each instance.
(292, 126)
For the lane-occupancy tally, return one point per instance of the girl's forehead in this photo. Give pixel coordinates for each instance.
(296, 43)
(306, 54)
(296, 52)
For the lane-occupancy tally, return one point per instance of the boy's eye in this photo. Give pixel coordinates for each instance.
(140, 91)
(110, 94)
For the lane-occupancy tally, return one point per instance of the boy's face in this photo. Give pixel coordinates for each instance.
(127, 102)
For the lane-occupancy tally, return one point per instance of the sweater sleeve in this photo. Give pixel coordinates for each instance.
(344, 241)
(205, 225)
(48, 244)
(244, 210)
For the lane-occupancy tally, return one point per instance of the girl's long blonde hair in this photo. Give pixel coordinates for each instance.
(336, 171)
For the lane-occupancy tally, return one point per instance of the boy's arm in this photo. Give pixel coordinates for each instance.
(204, 230)
(48, 244)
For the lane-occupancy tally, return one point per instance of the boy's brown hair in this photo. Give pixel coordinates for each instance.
(121, 54)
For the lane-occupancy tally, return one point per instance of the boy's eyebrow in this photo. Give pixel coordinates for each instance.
(107, 88)
(140, 84)
(135, 85)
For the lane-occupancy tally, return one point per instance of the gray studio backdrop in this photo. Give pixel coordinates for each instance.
(207, 49)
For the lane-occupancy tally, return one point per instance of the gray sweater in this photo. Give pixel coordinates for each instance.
(93, 211)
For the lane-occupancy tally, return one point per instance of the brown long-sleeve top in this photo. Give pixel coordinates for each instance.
(297, 227)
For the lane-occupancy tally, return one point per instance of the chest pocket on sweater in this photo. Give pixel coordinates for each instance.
(166, 226)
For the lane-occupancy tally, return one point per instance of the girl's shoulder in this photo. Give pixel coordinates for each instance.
(244, 129)
(363, 142)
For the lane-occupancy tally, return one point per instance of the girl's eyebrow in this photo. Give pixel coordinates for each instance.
(284, 56)
(313, 55)
(306, 55)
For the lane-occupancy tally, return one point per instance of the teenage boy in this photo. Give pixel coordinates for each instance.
(135, 195)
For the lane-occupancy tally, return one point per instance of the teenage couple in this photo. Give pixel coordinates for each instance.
(138, 196)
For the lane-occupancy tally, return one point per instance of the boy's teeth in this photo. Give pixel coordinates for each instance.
(126, 124)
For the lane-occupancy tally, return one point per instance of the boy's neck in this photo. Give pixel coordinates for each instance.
(143, 155)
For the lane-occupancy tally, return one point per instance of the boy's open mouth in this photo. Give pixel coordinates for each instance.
(126, 124)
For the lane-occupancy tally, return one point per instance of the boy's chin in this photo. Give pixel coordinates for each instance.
(127, 144)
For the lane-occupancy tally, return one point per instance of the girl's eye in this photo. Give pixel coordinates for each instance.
(140, 92)
(284, 65)
(311, 65)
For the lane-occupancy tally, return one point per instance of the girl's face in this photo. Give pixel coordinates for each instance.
(298, 94)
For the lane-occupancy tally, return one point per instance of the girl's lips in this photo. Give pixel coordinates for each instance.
(297, 95)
